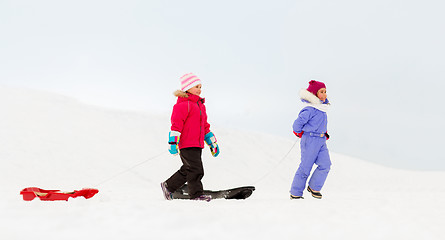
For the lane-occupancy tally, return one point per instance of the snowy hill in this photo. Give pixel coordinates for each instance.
(55, 142)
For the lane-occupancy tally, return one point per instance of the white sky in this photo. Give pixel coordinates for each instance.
(382, 61)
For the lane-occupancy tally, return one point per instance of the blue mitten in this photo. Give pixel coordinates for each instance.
(210, 139)
(173, 140)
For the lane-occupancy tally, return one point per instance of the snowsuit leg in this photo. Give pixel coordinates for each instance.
(192, 171)
(313, 151)
(321, 172)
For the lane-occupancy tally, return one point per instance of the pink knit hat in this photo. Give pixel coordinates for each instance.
(188, 81)
(314, 86)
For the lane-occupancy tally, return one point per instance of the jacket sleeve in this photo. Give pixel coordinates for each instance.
(179, 115)
(207, 127)
(302, 119)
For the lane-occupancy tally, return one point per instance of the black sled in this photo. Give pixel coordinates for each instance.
(233, 193)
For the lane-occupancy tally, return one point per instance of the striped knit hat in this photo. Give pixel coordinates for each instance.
(188, 81)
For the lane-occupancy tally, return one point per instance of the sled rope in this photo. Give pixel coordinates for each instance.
(130, 168)
(278, 164)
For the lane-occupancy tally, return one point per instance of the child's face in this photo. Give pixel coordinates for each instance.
(196, 90)
(321, 94)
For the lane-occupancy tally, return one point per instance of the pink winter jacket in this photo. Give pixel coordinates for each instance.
(189, 117)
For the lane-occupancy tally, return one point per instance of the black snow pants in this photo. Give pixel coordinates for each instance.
(192, 171)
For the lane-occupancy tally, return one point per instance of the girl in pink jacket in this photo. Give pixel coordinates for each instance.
(188, 132)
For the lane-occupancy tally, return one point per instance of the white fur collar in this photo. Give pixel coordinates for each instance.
(313, 101)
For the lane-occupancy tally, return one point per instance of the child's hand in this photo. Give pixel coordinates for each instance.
(173, 140)
(210, 139)
(300, 134)
(173, 149)
(214, 150)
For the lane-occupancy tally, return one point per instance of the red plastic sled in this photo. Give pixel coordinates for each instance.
(56, 195)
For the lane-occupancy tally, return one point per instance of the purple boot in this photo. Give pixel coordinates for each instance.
(206, 198)
(167, 193)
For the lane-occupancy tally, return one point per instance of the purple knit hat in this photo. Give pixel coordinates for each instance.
(314, 86)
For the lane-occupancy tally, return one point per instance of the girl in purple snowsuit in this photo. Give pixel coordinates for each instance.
(311, 127)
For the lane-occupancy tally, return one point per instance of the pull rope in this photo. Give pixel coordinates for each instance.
(278, 164)
(130, 168)
(163, 152)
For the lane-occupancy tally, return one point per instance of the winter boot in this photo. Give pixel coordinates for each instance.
(167, 193)
(315, 194)
(206, 198)
(296, 197)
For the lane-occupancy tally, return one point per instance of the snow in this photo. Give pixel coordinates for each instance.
(55, 142)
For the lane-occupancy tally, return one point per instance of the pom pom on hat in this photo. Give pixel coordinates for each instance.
(314, 86)
(188, 81)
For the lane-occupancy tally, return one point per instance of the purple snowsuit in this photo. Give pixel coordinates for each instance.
(313, 149)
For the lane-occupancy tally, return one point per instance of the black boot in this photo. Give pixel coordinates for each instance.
(314, 193)
(296, 197)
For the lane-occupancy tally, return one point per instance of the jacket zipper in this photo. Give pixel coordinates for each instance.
(200, 125)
